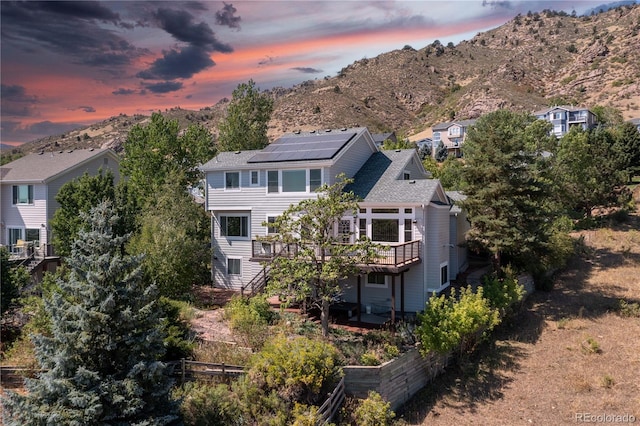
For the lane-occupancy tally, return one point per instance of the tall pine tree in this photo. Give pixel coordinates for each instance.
(101, 361)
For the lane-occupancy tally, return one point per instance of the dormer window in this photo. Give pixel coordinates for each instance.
(406, 175)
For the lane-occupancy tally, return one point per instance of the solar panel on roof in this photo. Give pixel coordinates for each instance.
(321, 146)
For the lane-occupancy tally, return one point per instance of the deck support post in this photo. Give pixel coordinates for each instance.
(359, 296)
(393, 299)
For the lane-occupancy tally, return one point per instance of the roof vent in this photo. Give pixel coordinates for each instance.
(237, 152)
(313, 131)
(328, 130)
(344, 129)
(41, 152)
(398, 150)
(412, 181)
(70, 151)
(60, 152)
(297, 132)
(91, 149)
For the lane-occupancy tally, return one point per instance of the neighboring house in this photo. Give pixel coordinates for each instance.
(564, 118)
(379, 138)
(29, 186)
(452, 135)
(635, 122)
(401, 208)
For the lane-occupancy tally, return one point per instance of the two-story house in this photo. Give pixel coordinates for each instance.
(635, 122)
(564, 118)
(452, 135)
(28, 188)
(400, 208)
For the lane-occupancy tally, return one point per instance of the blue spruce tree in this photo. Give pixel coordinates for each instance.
(101, 361)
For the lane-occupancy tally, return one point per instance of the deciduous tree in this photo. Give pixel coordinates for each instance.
(318, 260)
(245, 126)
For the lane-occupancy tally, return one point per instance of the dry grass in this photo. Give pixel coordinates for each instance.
(575, 349)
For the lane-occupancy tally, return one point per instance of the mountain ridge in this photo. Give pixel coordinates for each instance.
(531, 62)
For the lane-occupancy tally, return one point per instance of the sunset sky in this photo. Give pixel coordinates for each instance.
(74, 63)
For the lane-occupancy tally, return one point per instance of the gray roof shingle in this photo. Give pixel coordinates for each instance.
(45, 166)
(379, 180)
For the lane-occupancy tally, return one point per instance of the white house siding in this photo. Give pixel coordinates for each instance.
(253, 201)
(90, 167)
(352, 159)
(437, 245)
(24, 216)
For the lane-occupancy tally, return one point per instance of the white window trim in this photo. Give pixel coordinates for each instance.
(370, 285)
(266, 228)
(224, 185)
(234, 238)
(227, 266)
(443, 264)
(307, 186)
(250, 178)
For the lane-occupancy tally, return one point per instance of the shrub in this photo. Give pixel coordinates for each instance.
(249, 318)
(502, 292)
(447, 323)
(305, 415)
(178, 342)
(298, 368)
(205, 404)
(369, 358)
(373, 411)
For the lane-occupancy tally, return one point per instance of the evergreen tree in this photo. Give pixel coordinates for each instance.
(245, 126)
(101, 362)
(509, 187)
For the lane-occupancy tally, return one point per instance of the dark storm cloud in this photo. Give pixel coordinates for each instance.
(123, 91)
(307, 70)
(69, 28)
(15, 131)
(503, 4)
(182, 63)
(84, 108)
(226, 16)
(179, 24)
(16, 102)
(164, 87)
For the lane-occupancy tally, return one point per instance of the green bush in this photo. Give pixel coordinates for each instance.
(369, 358)
(448, 323)
(305, 415)
(504, 291)
(205, 404)
(179, 342)
(299, 369)
(250, 318)
(373, 411)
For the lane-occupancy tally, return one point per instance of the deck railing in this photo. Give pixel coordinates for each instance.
(394, 254)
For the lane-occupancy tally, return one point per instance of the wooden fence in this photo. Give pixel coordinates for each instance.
(332, 404)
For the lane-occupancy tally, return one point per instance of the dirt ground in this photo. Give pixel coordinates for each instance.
(568, 357)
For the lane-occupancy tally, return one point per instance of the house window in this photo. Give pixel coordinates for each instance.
(362, 228)
(315, 179)
(558, 128)
(392, 211)
(376, 279)
(344, 231)
(255, 178)
(557, 115)
(406, 176)
(385, 230)
(232, 180)
(234, 226)
(408, 211)
(15, 234)
(22, 194)
(294, 181)
(436, 137)
(408, 230)
(454, 131)
(271, 229)
(33, 235)
(272, 181)
(444, 274)
(234, 266)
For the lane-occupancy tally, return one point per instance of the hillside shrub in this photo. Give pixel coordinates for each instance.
(250, 318)
(205, 404)
(373, 411)
(502, 291)
(450, 323)
(298, 368)
(179, 341)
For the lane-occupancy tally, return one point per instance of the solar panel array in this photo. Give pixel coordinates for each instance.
(321, 146)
